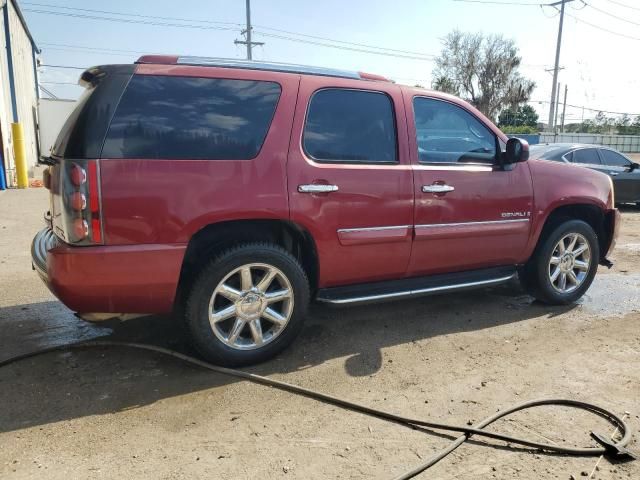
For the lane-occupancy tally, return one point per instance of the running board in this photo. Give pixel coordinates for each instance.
(410, 287)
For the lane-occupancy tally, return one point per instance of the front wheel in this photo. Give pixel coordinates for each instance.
(564, 264)
(247, 305)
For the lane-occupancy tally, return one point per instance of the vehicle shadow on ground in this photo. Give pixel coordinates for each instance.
(629, 208)
(62, 386)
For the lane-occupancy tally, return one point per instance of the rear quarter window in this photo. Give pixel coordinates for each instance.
(167, 117)
(83, 134)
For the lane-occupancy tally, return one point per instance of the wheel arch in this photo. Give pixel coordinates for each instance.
(589, 213)
(217, 237)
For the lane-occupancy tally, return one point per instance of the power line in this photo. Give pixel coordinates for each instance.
(48, 92)
(623, 5)
(509, 3)
(227, 23)
(63, 66)
(591, 109)
(60, 83)
(127, 20)
(111, 12)
(340, 47)
(344, 42)
(366, 48)
(83, 50)
(495, 2)
(603, 29)
(622, 19)
(45, 44)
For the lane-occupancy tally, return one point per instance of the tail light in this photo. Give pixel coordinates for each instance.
(81, 185)
(78, 175)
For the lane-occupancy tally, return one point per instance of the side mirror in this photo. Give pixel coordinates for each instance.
(517, 151)
(634, 166)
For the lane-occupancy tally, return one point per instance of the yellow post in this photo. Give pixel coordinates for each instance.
(20, 155)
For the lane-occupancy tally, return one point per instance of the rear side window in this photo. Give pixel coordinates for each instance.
(191, 118)
(586, 155)
(350, 126)
(614, 159)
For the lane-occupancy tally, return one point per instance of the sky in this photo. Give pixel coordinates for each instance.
(600, 68)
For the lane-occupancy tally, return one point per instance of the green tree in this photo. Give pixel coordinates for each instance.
(484, 70)
(623, 125)
(446, 85)
(523, 116)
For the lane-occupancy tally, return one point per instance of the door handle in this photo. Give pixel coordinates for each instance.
(437, 188)
(317, 188)
(613, 174)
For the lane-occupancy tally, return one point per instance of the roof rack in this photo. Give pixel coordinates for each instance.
(256, 65)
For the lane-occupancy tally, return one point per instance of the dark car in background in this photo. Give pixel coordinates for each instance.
(624, 172)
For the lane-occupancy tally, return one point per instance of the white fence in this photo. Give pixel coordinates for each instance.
(623, 143)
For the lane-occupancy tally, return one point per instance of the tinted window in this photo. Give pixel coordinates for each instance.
(84, 131)
(446, 133)
(350, 126)
(614, 159)
(586, 155)
(191, 118)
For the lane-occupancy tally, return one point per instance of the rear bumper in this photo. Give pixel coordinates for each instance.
(44, 241)
(122, 278)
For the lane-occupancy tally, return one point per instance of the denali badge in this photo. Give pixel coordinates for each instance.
(515, 214)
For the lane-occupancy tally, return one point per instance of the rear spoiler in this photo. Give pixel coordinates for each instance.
(93, 75)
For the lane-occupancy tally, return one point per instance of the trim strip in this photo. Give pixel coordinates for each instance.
(456, 168)
(372, 229)
(487, 222)
(423, 291)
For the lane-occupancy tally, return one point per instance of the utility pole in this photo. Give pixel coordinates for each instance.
(247, 33)
(564, 108)
(552, 107)
(555, 115)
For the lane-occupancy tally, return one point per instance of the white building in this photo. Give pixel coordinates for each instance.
(18, 88)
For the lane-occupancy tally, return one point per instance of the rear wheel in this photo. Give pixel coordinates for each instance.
(564, 264)
(247, 305)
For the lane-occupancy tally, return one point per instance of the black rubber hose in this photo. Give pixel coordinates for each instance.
(476, 429)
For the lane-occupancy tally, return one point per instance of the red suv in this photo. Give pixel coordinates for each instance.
(234, 192)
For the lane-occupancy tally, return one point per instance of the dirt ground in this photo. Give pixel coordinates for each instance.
(111, 413)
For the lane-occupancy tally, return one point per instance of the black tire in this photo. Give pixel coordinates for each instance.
(201, 332)
(537, 270)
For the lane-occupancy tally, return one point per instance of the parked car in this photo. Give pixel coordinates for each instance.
(624, 171)
(235, 192)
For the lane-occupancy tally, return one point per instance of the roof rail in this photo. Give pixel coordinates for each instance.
(257, 65)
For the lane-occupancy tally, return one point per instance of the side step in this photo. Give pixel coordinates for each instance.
(409, 287)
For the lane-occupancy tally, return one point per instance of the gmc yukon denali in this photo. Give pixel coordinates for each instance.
(233, 193)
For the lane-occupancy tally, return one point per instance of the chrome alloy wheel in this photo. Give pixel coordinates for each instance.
(251, 306)
(569, 263)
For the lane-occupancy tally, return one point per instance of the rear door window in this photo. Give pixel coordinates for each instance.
(586, 155)
(169, 117)
(350, 126)
(614, 159)
(446, 133)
